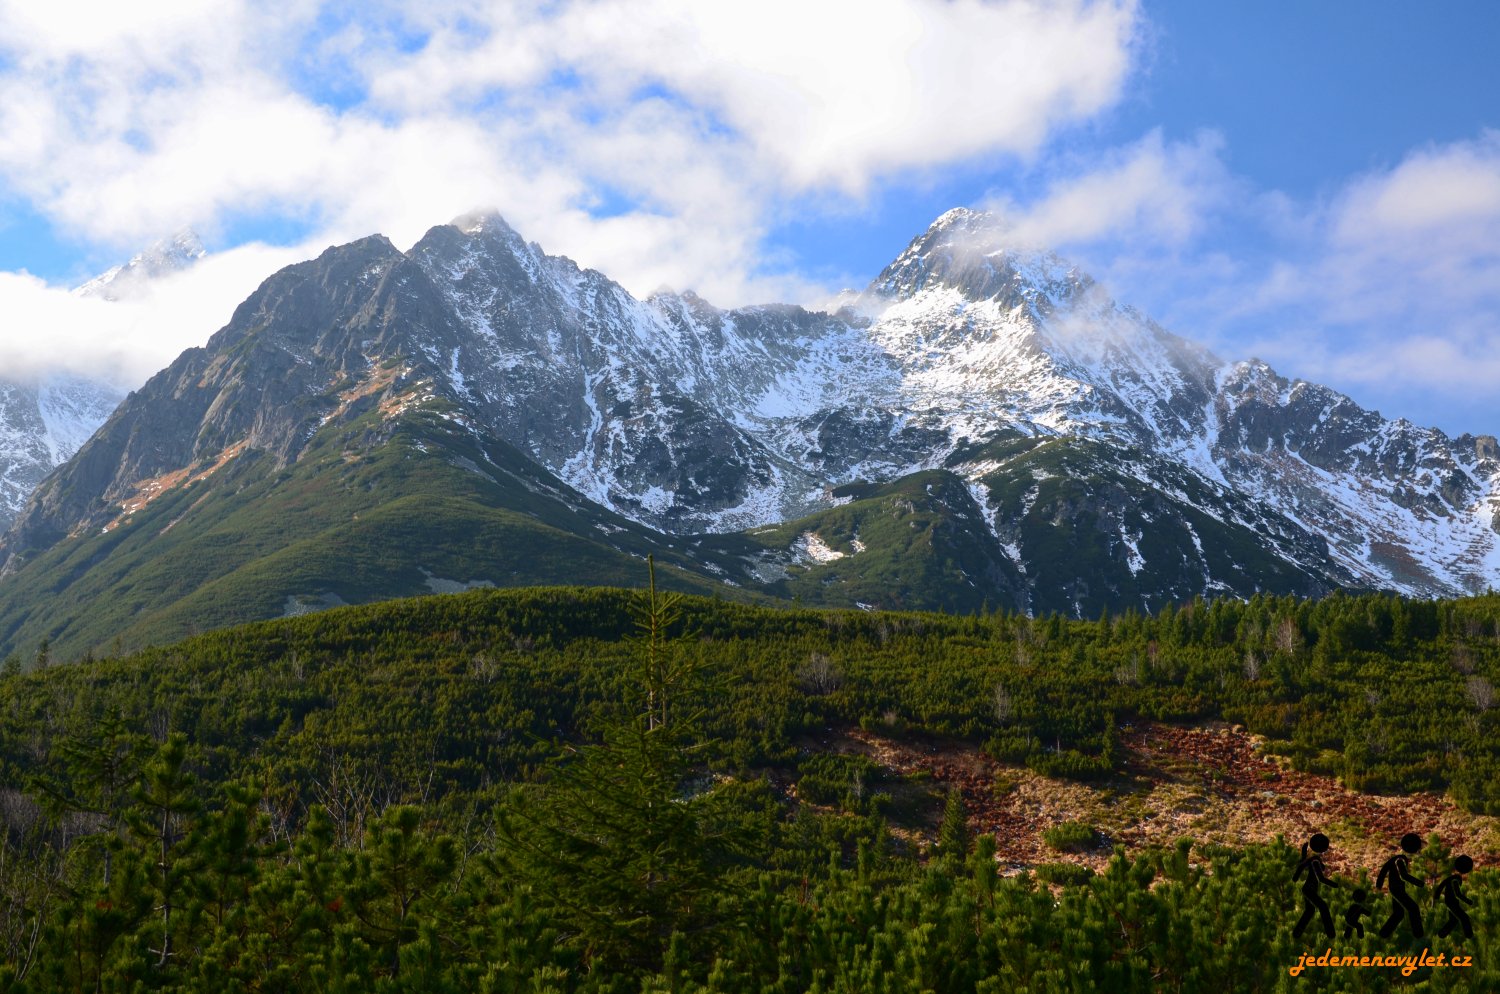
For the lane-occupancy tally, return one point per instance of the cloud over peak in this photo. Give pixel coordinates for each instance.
(644, 112)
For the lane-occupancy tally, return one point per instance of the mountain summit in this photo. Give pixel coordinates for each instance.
(161, 258)
(45, 417)
(985, 425)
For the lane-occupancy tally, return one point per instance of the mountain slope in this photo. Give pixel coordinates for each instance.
(1033, 343)
(687, 417)
(44, 419)
(43, 422)
(427, 509)
(275, 470)
(985, 423)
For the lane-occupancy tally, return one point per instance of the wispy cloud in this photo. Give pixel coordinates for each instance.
(1151, 193)
(1399, 285)
(49, 329)
(656, 140)
(1387, 287)
(135, 125)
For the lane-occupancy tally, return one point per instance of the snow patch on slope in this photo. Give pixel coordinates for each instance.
(810, 548)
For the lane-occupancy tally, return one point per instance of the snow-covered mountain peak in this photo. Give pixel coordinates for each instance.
(689, 418)
(162, 258)
(480, 221)
(974, 252)
(182, 249)
(490, 230)
(682, 310)
(168, 255)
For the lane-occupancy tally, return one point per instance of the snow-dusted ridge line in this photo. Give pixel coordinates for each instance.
(43, 422)
(46, 419)
(959, 339)
(964, 355)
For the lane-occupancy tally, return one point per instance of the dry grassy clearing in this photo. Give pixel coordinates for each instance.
(1212, 784)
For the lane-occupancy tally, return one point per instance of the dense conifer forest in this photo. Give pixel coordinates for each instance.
(561, 789)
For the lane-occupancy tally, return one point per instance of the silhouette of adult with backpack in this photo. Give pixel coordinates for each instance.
(1313, 867)
(1394, 874)
(1450, 894)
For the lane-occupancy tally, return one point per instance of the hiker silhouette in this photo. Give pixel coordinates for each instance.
(1357, 910)
(1394, 874)
(1313, 865)
(1450, 894)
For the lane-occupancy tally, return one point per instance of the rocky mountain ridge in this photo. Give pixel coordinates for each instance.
(43, 421)
(46, 417)
(1062, 452)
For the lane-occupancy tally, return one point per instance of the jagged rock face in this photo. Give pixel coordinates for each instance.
(1403, 507)
(631, 402)
(46, 418)
(264, 382)
(1008, 370)
(1336, 490)
(43, 421)
(965, 250)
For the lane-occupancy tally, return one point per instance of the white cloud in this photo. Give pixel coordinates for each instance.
(1151, 193)
(857, 89)
(1447, 189)
(67, 28)
(1389, 290)
(703, 124)
(834, 93)
(1412, 250)
(123, 342)
(132, 125)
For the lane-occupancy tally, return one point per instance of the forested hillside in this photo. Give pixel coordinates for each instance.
(579, 790)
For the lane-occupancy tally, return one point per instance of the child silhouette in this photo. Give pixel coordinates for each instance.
(1352, 923)
(1394, 874)
(1313, 865)
(1449, 891)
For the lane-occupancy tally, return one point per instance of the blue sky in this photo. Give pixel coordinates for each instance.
(1306, 96)
(1317, 184)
